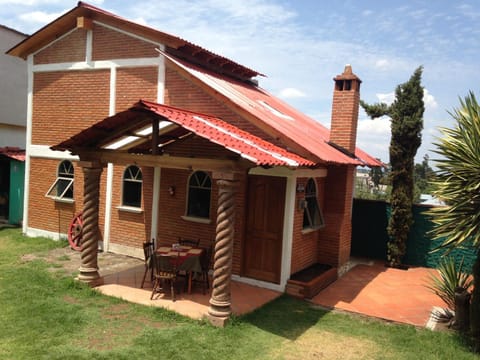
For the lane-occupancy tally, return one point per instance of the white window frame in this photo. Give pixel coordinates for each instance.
(196, 218)
(70, 180)
(134, 179)
(314, 197)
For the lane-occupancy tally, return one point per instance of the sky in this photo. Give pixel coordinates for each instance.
(302, 45)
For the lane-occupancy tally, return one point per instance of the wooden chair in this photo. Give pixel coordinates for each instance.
(165, 267)
(148, 250)
(189, 242)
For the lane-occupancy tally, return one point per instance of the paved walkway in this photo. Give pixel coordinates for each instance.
(375, 290)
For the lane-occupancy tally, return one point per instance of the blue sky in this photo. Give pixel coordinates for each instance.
(302, 45)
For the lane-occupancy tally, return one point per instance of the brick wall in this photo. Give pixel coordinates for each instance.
(70, 48)
(109, 44)
(134, 84)
(170, 222)
(131, 228)
(346, 98)
(336, 237)
(184, 94)
(344, 119)
(305, 246)
(65, 102)
(47, 214)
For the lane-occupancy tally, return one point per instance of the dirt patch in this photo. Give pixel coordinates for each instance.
(68, 261)
(332, 346)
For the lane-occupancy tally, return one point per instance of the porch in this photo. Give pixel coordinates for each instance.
(122, 276)
(125, 284)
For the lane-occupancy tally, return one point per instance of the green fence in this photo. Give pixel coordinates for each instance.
(369, 236)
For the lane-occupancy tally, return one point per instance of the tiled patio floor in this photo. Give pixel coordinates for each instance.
(368, 288)
(126, 284)
(387, 293)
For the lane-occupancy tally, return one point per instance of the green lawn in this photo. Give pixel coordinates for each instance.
(47, 315)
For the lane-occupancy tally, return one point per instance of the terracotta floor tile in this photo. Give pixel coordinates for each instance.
(126, 285)
(375, 290)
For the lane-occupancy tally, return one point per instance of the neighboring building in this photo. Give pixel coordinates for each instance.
(12, 170)
(13, 121)
(221, 160)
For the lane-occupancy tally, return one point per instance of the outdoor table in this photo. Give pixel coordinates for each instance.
(189, 260)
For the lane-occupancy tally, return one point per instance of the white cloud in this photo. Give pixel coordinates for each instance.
(387, 98)
(39, 17)
(291, 93)
(373, 136)
(382, 64)
(429, 100)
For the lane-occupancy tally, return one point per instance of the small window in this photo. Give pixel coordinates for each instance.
(132, 187)
(199, 191)
(62, 188)
(312, 217)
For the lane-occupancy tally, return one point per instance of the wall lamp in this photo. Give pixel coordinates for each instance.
(171, 190)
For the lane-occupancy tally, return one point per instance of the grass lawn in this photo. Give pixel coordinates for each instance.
(47, 315)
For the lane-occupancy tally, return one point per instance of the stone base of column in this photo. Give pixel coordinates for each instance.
(218, 321)
(219, 312)
(90, 276)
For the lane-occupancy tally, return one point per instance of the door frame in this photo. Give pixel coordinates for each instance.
(286, 252)
(290, 206)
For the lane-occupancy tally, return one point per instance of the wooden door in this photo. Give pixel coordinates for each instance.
(263, 243)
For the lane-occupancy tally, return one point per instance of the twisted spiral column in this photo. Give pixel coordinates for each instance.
(91, 191)
(220, 300)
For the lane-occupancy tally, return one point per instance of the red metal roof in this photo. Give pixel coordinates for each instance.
(303, 130)
(13, 153)
(248, 146)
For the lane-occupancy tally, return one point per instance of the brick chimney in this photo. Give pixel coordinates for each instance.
(346, 98)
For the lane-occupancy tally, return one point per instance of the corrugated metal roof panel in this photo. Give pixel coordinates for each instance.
(303, 130)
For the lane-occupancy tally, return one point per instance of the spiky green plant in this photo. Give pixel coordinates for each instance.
(458, 184)
(449, 278)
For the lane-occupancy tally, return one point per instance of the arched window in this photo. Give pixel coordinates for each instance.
(132, 187)
(62, 188)
(312, 217)
(199, 193)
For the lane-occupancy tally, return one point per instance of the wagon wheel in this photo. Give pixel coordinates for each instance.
(75, 232)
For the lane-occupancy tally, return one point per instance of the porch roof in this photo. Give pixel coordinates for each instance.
(132, 130)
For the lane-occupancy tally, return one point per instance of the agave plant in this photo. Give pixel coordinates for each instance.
(450, 278)
(458, 184)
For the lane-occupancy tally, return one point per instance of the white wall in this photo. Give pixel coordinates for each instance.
(13, 84)
(12, 136)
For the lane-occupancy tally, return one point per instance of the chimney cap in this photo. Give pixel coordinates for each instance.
(347, 74)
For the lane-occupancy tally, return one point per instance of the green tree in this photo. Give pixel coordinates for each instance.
(457, 182)
(423, 175)
(406, 114)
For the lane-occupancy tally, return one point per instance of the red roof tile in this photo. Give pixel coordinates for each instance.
(230, 137)
(248, 146)
(13, 153)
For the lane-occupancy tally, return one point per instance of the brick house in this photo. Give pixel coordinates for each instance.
(155, 137)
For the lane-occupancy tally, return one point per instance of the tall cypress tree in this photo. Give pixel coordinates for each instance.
(406, 114)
